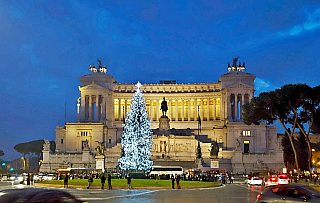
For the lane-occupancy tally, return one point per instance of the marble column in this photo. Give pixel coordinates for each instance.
(90, 107)
(189, 111)
(214, 109)
(83, 105)
(119, 110)
(151, 107)
(201, 110)
(236, 106)
(157, 111)
(97, 108)
(195, 110)
(228, 103)
(182, 109)
(169, 109)
(208, 109)
(176, 110)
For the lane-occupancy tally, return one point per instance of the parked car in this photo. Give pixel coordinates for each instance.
(255, 181)
(293, 193)
(36, 195)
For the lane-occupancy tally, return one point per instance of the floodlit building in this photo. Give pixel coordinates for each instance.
(103, 103)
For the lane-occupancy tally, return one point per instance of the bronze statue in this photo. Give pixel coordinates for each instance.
(100, 62)
(199, 153)
(100, 148)
(234, 63)
(164, 107)
(214, 149)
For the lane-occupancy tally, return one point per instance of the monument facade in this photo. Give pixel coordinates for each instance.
(173, 111)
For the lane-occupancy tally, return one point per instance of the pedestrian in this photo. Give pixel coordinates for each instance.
(109, 182)
(172, 181)
(31, 179)
(232, 179)
(178, 182)
(129, 181)
(28, 179)
(65, 181)
(90, 181)
(222, 179)
(103, 180)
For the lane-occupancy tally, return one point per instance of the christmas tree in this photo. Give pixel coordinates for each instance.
(136, 139)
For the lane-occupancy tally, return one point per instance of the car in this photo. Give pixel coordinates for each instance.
(283, 179)
(36, 195)
(271, 181)
(255, 181)
(293, 193)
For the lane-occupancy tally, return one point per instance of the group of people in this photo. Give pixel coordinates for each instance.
(225, 178)
(103, 180)
(90, 181)
(177, 179)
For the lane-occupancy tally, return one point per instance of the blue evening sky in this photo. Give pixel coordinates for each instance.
(47, 45)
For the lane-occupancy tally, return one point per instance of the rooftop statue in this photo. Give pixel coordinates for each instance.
(100, 62)
(234, 63)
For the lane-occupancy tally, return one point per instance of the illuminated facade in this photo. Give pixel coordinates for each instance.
(103, 103)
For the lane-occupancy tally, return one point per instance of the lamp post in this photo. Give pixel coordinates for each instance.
(24, 163)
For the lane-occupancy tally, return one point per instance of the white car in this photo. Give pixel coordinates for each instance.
(283, 179)
(255, 181)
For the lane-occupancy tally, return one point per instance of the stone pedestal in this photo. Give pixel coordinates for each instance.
(164, 123)
(100, 162)
(214, 162)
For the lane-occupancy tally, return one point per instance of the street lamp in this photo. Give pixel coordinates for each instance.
(24, 163)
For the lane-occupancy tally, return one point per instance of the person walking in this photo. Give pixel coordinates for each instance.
(65, 181)
(172, 181)
(178, 181)
(90, 181)
(129, 181)
(28, 179)
(109, 182)
(103, 180)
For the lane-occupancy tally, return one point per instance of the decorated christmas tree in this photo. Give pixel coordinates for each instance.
(136, 139)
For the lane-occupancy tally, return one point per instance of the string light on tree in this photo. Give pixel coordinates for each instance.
(136, 139)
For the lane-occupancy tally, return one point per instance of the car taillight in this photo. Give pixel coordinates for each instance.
(259, 196)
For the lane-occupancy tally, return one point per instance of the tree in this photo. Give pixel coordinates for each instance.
(288, 155)
(136, 139)
(271, 106)
(304, 103)
(33, 148)
(297, 105)
(1, 153)
(302, 147)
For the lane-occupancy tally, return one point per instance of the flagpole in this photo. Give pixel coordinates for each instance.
(198, 123)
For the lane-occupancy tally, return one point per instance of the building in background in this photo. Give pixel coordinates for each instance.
(103, 104)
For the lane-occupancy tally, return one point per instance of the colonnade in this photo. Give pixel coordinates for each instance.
(93, 107)
(178, 109)
(235, 105)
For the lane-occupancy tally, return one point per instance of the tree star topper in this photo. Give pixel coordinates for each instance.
(138, 85)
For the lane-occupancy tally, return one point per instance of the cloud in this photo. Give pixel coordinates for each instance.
(262, 85)
(312, 22)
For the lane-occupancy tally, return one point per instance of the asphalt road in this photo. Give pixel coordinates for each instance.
(233, 193)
